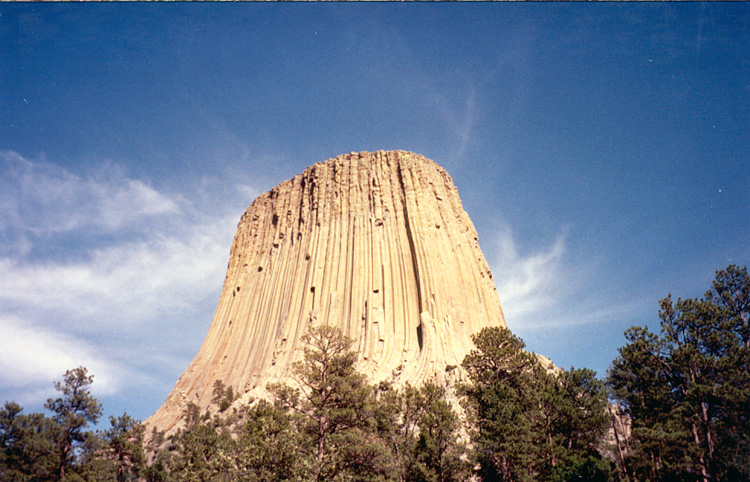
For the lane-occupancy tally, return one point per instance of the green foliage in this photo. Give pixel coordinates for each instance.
(530, 424)
(574, 411)
(437, 454)
(123, 448)
(687, 389)
(501, 400)
(39, 448)
(396, 418)
(268, 443)
(204, 449)
(158, 468)
(588, 467)
(336, 407)
(27, 445)
(72, 412)
(223, 396)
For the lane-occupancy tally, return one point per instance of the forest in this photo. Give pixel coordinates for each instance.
(674, 406)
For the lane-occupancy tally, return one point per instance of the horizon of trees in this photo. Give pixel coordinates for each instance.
(674, 406)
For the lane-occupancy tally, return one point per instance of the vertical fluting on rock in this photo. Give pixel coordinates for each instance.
(377, 244)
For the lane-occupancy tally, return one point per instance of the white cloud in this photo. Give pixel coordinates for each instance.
(528, 283)
(99, 269)
(547, 289)
(459, 121)
(248, 191)
(39, 198)
(122, 283)
(32, 355)
(118, 206)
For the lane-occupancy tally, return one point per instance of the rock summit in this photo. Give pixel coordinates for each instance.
(377, 244)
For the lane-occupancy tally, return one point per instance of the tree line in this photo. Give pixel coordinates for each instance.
(674, 407)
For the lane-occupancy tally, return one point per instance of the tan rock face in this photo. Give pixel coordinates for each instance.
(377, 244)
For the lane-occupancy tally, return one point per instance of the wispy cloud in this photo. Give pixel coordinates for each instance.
(31, 353)
(545, 288)
(124, 282)
(100, 269)
(42, 198)
(459, 121)
(555, 300)
(528, 283)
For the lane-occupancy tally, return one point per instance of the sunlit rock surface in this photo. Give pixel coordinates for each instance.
(377, 244)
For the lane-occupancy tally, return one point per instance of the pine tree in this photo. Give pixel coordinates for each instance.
(438, 455)
(531, 423)
(687, 389)
(267, 445)
(502, 400)
(397, 415)
(72, 412)
(202, 450)
(574, 410)
(27, 445)
(123, 447)
(337, 406)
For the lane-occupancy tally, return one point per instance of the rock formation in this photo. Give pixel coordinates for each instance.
(377, 244)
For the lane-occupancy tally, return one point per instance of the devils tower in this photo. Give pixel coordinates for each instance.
(377, 244)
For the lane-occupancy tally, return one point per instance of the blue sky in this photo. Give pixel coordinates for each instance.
(602, 151)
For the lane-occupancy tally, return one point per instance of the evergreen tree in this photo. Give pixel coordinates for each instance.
(502, 400)
(158, 457)
(529, 423)
(202, 450)
(224, 396)
(123, 448)
(27, 445)
(437, 452)
(397, 415)
(72, 413)
(337, 406)
(687, 389)
(39, 448)
(574, 410)
(268, 445)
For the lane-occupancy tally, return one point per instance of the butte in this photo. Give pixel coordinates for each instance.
(377, 244)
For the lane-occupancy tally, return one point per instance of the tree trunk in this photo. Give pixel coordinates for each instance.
(548, 429)
(322, 428)
(620, 453)
(709, 438)
(63, 459)
(701, 459)
(398, 459)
